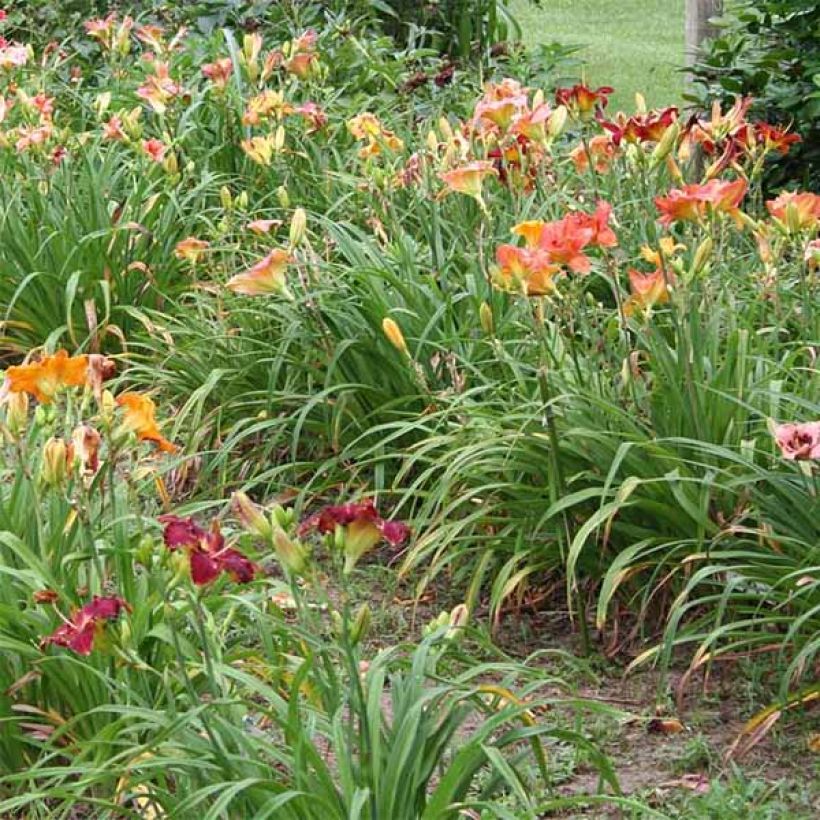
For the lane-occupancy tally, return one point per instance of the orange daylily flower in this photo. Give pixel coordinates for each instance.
(300, 64)
(266, 276)
(191, 249)
(530, 230)
(468, 178)
(583, 100)
(526, 270)
(667, 248)
(44, 378)
(803, 207)
(648, 290)
(140, 418)
(260, 149)
(368, 127)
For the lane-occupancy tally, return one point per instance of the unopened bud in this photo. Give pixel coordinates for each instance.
(242, 201)
(54, 467)
(445, 128)
(102, 102)
(291, 554)
(251, 517)
(298, 224)
(432, 142)
(485, 315)
(361, 624)
(171, 163)
(282, 196)
(279, 138)
(458, 619)
(702, 255)
(666, 143)
(394, 335)
(17, 413)
(225, 198)
(557, 121)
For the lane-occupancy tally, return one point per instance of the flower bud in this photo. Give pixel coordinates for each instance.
(666, 143)
(394, 335)
(445, 128)
(432, 142)
(102, 102)
(282, 196)
(279, 138)
(702, 255)
(458, 619)
(298, 224)
(225, 198)
(171, 163)
(251, 517)
(54, 467)
(242, 201)
(291, 554)
(557, 121)
(17, 413)
(640, 103)
(485, 315)
(361, 624)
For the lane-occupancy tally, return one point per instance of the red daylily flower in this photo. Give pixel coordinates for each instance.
(583, 100)
(86, 624)
(207, 552)
(363, 528)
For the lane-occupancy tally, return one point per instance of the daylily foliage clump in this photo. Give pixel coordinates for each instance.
(291, 338)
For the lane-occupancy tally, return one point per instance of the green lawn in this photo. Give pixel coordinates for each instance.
(633, 45)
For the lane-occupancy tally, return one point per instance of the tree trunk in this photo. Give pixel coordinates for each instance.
(698, 28)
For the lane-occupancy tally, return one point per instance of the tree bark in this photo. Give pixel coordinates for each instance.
(698, 28)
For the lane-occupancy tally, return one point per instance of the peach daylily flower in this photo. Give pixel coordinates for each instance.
(154, 149)
(468, 179)
(804, 207)
(191, 249)
(691, 202)
(218, 72)
(265, 277)
(263, 226)
(44, 378)
(301, 64)
(798, 442)
(648, 290)
(526, 270)
(260, 149)
(112, 130)
(140, 418)
(602, 151)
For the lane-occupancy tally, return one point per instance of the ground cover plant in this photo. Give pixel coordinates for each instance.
(291, 305)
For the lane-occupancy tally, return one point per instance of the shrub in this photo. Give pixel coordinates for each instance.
(770, 50)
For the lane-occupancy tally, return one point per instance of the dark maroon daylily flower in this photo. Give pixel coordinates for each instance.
(363, 528)
(80, 632)
(206, 550)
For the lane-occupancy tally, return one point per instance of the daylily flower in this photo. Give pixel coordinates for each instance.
(140, 419)
(368, 127)
(263, 226)
(774, 138)
(646, 127)
(44, 378)
(300, 64)
(361, 526)
(468, 179)
(798, 442)
(532, 124)
(265, 277)
(600, 148)
(796, 210)
(312, 114)
(154, 149)
(692, 202)
(159, 89)
(112, 130)
(524, 270)
(191, 249)
(151, 36)
(267, 103)
(581, 100)
(13, 56)
(648, 290)
(260, 149)
(219, 72)
(667, 247)
(102, 29)
(207, 553)
(564, 241)
(87, 624)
